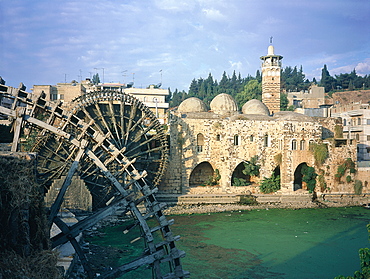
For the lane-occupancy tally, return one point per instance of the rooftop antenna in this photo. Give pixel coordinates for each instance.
(271, 40)
(124, 74)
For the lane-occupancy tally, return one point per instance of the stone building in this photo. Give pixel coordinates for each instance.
(207, 143)
(356, 122)
(223, 138)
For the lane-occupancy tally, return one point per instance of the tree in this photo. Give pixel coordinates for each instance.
(327, 80)
(252, 90)
(96, 79)
(284, 101)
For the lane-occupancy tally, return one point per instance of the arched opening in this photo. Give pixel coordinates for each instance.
(200, 174)
(302, 145)
(294, 144)
(236, 139)
(200, 143)
(298, 176)
(266, 140)
(239, 178)
(277, 171)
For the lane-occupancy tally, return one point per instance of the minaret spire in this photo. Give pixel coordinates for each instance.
(271, 66)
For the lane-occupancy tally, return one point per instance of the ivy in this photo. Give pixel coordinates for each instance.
(348, 164)
(320, 153)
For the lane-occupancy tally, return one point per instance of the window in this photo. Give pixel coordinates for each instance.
(368, 122)
(294, 144)
(302, 145)
(200, 143)
(251, 138)
(359, 121)
(368, 138)
(236, 140)
(266, 141)
(357, 137)
(218, 137)
(344, 122)
(310, 144)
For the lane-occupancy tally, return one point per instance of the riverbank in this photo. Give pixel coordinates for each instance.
(210, 208)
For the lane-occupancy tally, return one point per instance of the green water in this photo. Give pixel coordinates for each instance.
(275, 243)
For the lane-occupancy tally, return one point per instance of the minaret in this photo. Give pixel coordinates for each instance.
(271, 65)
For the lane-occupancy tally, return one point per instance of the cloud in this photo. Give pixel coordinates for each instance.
(363, 68)
(214, 14)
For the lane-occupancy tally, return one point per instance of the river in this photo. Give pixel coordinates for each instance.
(267, 243)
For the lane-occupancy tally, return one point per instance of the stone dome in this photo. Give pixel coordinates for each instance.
(192, 105)
(255, 106)
(223, 103)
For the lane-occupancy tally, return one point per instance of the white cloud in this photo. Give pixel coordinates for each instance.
(237, 66)
(214, 14)
(363, 68)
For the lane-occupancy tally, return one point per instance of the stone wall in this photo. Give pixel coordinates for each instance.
(281, 144)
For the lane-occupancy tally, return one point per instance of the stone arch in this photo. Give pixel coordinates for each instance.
(200, 143)
(294, 144)
(200, 174)
(298, 176)
(276, 171)
(238, 173)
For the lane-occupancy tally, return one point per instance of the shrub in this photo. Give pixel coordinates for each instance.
(309, 176)
(251, 168)
(358, 187)
(240, 182)
(270, 185)
(213, 179)
(248, 200)
(320, 153)
(348, 178)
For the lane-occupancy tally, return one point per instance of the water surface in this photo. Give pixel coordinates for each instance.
(274, 243)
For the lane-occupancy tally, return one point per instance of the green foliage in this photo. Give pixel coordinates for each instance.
(348, 164)
(320, 152)
(248, 200)
(240, 182)
(322, 183)
(284, 102)
(251, 168)
(293, 79)
(338, 131)
(348, 179)
(309, 176)
(252, 90)
(270, 185)
(96, 79)
(358, 187)
(213, 179)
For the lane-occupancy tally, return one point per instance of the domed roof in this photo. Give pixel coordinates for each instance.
(255, 106)
(292, 116)
(192, 105)
(223, 103)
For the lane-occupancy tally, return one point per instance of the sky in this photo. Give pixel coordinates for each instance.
(174, 41)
